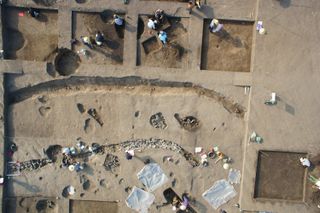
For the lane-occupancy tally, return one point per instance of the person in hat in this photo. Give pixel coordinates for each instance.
(86, 41)
(99, 38)
(153, 24)
(315, 181)
(215, 26)
(118, 21)
(159, 15)
(129, 154)
(34, 13)
(190, 6)
(305, 162)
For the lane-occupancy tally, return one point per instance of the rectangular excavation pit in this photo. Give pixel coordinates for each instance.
(174, 54)
(88, 24)
(151, 44)
(28, 38)
(84, 206)
(280, 176)
(229, 49)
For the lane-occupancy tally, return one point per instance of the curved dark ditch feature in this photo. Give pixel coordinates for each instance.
(76, 83)
(66, 62)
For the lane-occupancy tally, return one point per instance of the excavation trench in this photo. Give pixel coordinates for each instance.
(130, 83)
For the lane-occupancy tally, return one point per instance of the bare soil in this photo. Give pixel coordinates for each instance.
(87, 24)
(228, 50)
(27, 38)
(152, 53)
(31, 204)
(84, 206)
(273, 180)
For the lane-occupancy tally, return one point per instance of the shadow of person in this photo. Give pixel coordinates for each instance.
(112, 44)
(225, 35)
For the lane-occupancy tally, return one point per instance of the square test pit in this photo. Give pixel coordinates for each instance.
(273, 180)
(28, 38)
(151, 52)
(228, 49)
(88, 24)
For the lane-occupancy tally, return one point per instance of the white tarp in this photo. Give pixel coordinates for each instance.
(220, 193)
(234, 176)
(140, 200)
(152, 176)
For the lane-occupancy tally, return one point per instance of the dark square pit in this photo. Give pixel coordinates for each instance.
(228, 50)
(280, 176)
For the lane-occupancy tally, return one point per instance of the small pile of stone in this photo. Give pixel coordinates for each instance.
(189, 123)
(111, 162)
(157, 121)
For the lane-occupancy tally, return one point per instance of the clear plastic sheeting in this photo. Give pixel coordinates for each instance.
(152, 176)
(234, 176)
(140, 200)
(220, 193)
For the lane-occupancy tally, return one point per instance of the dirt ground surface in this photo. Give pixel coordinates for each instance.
(152, 53)
(229, 49)
(88, 24)
(84, 206)
(124, 98)
(27, 38)
(31, 204)
(273, 181)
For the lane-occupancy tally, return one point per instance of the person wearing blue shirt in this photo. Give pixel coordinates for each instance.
(163, 37)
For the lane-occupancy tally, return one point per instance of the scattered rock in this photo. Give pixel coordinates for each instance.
(136, 114)
(81, 108)
(102, 183)
(43, 99)
(111, 162)
(44, 111)
(43, 205)
(86, 185)
(94, 114)
(82, 195)
(174, 182)
(157, 121)
(189, 123)
(128, 189)
(121, 180)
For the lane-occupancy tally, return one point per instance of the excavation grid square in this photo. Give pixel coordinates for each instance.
(229, 49)
(28, 38)
(152, 53)
(88, 24)
(280, 175)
